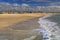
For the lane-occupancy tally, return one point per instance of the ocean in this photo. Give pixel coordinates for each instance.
(50, 26)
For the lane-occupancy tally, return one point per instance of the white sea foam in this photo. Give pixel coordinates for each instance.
(49, 29)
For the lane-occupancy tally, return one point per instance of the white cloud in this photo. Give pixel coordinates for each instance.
(48, 8)
(55, 4)
(17, 7)
(52, 9)
(15, 4)
(26, 7)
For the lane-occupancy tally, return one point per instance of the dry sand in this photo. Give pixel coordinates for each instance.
(10, 19)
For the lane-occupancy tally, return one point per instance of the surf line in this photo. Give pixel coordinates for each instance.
(46, 27)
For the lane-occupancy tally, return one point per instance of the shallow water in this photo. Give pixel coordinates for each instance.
(49, 26)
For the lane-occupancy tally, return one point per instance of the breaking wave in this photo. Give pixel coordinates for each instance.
(49, 27)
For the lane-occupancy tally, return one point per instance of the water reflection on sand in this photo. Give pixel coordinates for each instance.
(28, 30)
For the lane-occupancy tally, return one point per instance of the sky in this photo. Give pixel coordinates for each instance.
(34, 2)
(35, 5)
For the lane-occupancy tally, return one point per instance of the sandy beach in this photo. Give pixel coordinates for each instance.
(19, 26)
(10, 19)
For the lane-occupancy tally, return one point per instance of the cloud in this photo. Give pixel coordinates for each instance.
(55, 4)
(51, 9)
(26, 7)
(17, 7)
(15, 4)
(7, 6)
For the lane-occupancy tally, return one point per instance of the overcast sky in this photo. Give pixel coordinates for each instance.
(35, 5)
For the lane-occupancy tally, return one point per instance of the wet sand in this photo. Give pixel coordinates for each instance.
(19, 26)
(26, 25)
(20, 30)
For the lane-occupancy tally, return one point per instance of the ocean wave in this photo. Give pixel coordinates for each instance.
(49, 28)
